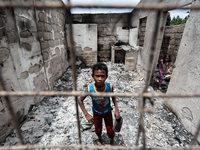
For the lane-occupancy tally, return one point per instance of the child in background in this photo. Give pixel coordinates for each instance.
(164, 66)
(101, 106)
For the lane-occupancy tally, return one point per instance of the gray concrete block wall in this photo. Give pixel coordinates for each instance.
(106, 26)
(50, 23)
(32, 56)
(171, 41)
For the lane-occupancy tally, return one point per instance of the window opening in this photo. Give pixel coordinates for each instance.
(142, 29)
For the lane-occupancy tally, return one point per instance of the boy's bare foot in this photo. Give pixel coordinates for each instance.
(112, 141)
(100, 141)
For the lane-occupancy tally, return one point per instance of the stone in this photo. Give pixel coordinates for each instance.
(43, 17)
(4, 54)
(28, 126)
(45, 55)
(41, 26)
(25, 34)
(12, 37)
(26, 46)
(38, 134)
(44, 45)
(34, 68)
(38, 78)
(24, 74)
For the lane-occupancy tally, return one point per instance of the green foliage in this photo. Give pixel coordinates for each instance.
(177, 20)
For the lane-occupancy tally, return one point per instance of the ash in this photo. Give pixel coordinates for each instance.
(53, 121)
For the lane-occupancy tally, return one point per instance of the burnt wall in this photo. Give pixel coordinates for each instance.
(106, 27)
(32, 56)
(171, 41)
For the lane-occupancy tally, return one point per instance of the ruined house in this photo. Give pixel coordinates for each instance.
(34, 52)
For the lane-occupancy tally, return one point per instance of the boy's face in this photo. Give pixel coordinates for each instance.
(99, 77)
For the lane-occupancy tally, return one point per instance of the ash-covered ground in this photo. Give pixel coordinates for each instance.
(53, 121)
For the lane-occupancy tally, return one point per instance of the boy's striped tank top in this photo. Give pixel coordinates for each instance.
(100, 105)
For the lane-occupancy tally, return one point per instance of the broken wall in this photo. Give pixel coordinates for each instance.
(171, 41)
(32, 56)
(106, 30)
(185, 77)
(143, 55)
(85, 43)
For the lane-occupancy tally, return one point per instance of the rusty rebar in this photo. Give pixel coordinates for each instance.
(141, 121)
(11, 110)
(142, 96)
(76, 93)
(196, 135)
(32, 147)
(52, 4)
(73, 65)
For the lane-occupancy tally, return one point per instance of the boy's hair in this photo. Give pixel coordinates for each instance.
(167, 55)
(99, 66)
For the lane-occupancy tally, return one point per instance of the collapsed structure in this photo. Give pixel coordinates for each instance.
(34, 53)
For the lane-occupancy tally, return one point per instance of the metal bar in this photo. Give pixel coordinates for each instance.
(73, 64)
(142, 96)
(141, 121)
(11, 110)
(25, 147)
(196, 135)
(67, 6)
(75, 93)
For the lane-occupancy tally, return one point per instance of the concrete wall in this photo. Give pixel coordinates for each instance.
(85, 42)
(143, 54)
(185, 77)
(32, 56)
(107, 30)
(171, 41)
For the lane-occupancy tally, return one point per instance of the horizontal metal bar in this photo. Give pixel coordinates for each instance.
(75, 93)
(160, 6)
(25, 147)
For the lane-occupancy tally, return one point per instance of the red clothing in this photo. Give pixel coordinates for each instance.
(108, 122)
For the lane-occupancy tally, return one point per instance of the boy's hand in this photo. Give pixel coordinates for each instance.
(89, 118)
(117, 115)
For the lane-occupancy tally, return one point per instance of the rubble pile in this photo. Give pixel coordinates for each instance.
(54, 120)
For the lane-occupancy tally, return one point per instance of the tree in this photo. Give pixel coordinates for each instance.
(177, 20)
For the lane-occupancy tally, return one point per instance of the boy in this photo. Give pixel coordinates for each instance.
(101, 105)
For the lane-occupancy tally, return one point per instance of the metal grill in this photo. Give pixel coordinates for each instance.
(142, 95)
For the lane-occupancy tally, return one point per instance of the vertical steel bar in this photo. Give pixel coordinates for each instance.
(196, 135)
(73, 64)
(141, 120)
(10, 109)
(148, 78)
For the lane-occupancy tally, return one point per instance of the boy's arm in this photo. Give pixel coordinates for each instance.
(117, 114)
(81, 104)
